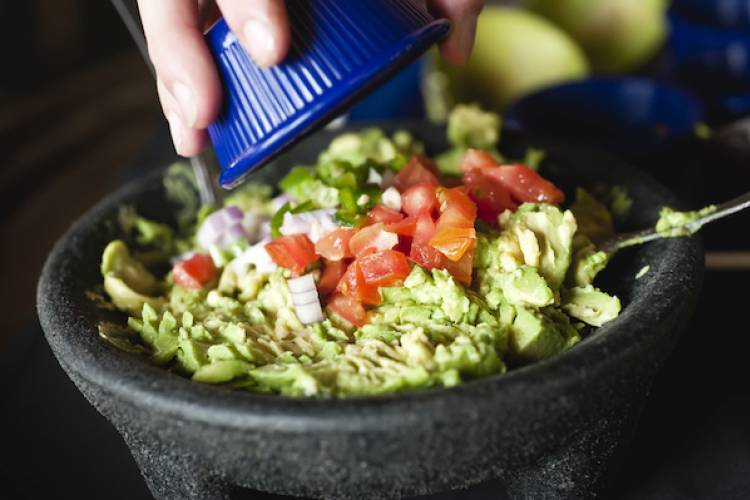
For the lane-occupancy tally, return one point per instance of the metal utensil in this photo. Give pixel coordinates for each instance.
(612, 245)
(209, 193)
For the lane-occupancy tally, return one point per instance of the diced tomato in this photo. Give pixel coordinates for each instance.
(374, 236)
(419, 169)
(294, 252)
(381, 213)
(424, 229)
(421, 252)
(461, 270)
(384, 268)
(404, 227)
(404, 244)
(525, 185)
(454, 242)
(454, 230)
(335, 245)
(477, 159)
(352, 284)
(425, 255)
(457, 200)
(419, 199)
(348, 308)
(332, 273)
(491, 197)
(194, 272)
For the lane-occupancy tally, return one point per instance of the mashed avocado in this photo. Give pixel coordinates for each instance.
(673, 223)
(244, 320)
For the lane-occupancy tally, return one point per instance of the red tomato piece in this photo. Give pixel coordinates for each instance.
(454, 230)
(294, 252)
(348, 308)
(421, 252)
(352, 284)
(461, 269)
(454, 242)
(477, 159)
(332, 273)
(194, 272)
(457, 200)
(404, 244)
(424, 230)
(425, 255)
(381, 213)
(404, 227)
(419, 169)
(419, 199)
(525, 185)
(384, 268)
(335, 245)
(491, 197)
(374, 236)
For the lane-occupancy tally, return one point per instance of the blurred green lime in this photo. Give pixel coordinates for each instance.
(617, 35)
(516, 52)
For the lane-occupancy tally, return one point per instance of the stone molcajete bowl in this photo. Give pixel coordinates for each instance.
(554, 429)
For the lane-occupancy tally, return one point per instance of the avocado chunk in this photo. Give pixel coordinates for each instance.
(536, 335)
(222, 371)
(127, 281)
(593, 218)
(588, 262)
(591, 305)
(523, 287)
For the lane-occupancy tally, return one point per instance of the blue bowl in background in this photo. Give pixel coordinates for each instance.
(629, 116)
(340, 52)
(721, 13)
(712, 63)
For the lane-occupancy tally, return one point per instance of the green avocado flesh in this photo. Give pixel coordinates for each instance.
(531, 288)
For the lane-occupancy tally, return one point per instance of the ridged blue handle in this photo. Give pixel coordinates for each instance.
(340, 51)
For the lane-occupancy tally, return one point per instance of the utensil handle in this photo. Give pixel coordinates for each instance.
(128, 10)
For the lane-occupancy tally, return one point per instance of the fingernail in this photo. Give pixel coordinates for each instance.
(186, 101)
(175, 128)
(260, 42)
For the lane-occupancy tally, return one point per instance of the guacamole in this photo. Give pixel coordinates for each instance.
(365, 273)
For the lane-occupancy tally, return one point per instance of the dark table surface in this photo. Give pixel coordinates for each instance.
(693, 441)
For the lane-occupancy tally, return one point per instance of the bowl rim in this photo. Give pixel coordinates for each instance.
(84, 354)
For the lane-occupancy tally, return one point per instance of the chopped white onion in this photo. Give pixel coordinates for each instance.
(281, 200)
(232, 234)
(374, 177)
(302, 284)
(391, 198)
(363, 200)
(265, 230)
(314, 224)
(253, 224)
(215, 226)
(309, 313)
(301, 299)
(257, 256)
(232, 214)
(305, 299)
(388, 177)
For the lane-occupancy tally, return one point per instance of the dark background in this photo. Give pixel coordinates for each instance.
(76, 104)
(78, 111)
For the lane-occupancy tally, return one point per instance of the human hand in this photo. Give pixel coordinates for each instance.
(187, 82)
